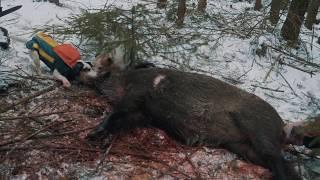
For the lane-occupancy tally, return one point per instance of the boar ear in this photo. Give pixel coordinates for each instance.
(108, 61)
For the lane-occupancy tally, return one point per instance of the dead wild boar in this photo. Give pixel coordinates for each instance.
(194, 109)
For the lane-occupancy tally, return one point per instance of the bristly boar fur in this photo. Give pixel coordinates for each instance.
(195, 110)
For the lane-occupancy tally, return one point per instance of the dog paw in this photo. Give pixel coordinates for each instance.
(66, 84)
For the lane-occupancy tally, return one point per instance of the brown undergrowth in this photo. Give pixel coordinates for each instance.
(44, 138)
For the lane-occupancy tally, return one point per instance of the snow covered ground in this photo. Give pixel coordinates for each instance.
(293, 93)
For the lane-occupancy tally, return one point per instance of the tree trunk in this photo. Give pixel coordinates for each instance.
(202, 5)
(57, 2)
(291, 27)
(275, 11)
(284, 4)
(181, 12)
(162, 4)
(312, 13)
(257, 5)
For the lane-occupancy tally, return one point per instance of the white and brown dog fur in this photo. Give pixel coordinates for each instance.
(56, 74)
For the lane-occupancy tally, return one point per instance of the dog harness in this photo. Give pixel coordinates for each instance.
(62, 57)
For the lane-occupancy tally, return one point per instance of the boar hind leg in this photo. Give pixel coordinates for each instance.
(266, 145)
(114, 123)
(263, 158)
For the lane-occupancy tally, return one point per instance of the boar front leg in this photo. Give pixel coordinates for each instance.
(100, 131)
(116, 122)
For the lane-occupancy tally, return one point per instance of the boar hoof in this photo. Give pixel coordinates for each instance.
(98, 133)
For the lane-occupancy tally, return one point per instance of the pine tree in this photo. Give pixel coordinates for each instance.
(202, 5)
(275, 11)
(162, 4)
(312, 13)
(181, 12)
(291, 27)
(284, 4)
(257, 5)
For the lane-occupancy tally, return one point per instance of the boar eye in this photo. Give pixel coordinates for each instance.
(110, 60)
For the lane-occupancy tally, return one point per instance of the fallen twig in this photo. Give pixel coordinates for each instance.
(297, 58)
(293, 91)
(49, 147)
(26, 99)
(187, 158)
(63, 134)
(32, 116)
(31, 135)
(105, 154)
(297, 68)
(266, 88)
